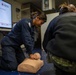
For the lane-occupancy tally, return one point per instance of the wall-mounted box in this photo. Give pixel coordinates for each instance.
(48, 5)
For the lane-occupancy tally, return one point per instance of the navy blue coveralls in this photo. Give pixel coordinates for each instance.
(12, 54)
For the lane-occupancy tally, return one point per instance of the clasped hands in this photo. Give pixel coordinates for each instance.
(35, 56)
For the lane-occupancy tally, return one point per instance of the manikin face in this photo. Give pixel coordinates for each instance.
(38, 22)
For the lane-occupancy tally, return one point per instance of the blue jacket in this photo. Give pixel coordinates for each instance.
(22, 33)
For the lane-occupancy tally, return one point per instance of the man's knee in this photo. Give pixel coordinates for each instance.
(9, 66)
(12, 67)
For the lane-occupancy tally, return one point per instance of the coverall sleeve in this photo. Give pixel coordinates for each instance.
(27, 38)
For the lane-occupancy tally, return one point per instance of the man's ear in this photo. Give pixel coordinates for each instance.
(37, 18)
